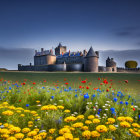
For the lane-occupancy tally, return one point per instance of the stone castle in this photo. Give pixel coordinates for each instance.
(68, 61)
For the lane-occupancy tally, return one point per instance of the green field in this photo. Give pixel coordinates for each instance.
(133, 86)
(69, 106)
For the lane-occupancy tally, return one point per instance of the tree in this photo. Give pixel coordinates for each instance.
(131, 64)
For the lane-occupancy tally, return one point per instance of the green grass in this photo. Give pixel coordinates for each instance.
(133, 86)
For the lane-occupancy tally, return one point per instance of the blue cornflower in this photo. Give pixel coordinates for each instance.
(27, 105)
(121, 102)
(118, 95)
(93, 95)
(115, 99)
(100, 110)
(52, 97)
(76, 95)
(126, 103)
(86, 96)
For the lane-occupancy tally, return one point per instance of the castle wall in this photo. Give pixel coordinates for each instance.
(75, 67)
(70, 60)
(91, 64)
(111, 69)
(59, 67)
(44, 60)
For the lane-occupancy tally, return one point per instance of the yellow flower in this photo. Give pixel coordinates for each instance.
(95, 134)
(50, 138)
(8, 113)
(37, 137)
(51, 131)
(37, 101)
(43, 134)
(125, 124)
(81, 117)
(111, 120)
(91, 117)
(88, 122)
(68, 136)
(77, 125)
(11, 138)
(76, 139)
(32, 133)
(67, 111)
(30, 123)
(5, 103)
(121, 119)
(129, 119)
(5, 136)
(36, 129)
(6, 124)
(26, 130)
(60, 138)
(64, 130)
(14, 130)
(28, 139)
(136, 125)
(22, 115)
(69, 119)
(86, 134)
(27, 111)
(12, 107)
(101, 128)
(84, 128)
(19, 136)
(96, 121)
(112, 127)
(60, 107)
(4, 131)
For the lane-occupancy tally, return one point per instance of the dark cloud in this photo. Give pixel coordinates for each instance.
(131, 31)
(120, 56)
(10, 58)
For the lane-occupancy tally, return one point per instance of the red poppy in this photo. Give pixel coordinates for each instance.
(19, 100)
(105, 81)
(34, 83)
(56, 85)
(83, 87)
(66, 83)
(29, 93)
(110, 87)
(99, 78)
(80, 86)
(134, 109)
(87, 87)
(23, 83)
(101, 83)
(83, 81)
(107, 90)
(45, 81)
(126, 81)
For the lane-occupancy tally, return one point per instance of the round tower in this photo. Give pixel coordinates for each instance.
(91, 61)
(110, 65)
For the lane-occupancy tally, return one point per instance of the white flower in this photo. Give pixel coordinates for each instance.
(72, 114)
(87, 103)
(60, 100)
(38, 119)
(108, 101)
(96, 103)
(94, 109)
(50, 99)
(55, 104)
(39, 105)
(116, 125)
(42, 131)
(103, 106)
(136, 106)
(46, 113)
(106, 109)
(75, 113)
(106, 104)
(90, 103)
(104, 114)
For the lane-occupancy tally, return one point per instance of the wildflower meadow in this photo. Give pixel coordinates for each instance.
(99, 107)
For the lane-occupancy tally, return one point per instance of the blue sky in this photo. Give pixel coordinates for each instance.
(26, 25)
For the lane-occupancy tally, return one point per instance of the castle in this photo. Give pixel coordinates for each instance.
(68, 61)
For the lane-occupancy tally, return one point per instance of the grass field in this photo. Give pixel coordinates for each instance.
(133, 86)
(69, 106)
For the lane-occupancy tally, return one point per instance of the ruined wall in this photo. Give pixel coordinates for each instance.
(120, 69)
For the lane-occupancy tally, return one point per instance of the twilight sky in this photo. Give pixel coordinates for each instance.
(110, 26)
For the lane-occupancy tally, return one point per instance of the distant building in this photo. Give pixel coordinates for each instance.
(64, 60)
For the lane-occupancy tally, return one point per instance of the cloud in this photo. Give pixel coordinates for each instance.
(131, 31)
(11, 57)
(120, 56)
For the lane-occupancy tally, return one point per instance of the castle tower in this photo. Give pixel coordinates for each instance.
(110, 65)
(60, 49)
(91, 61)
